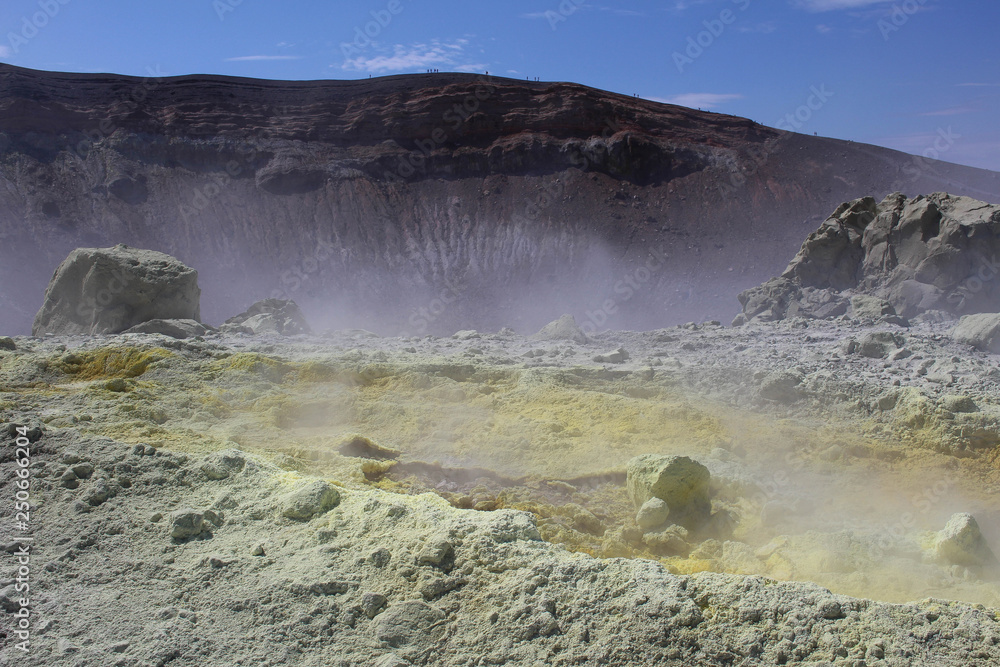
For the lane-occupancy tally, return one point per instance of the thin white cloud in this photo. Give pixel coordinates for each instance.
(953, 111)
(681, 5)
(622, 12)
(822, 28)
(978, 85)
(240, 59)
(764, 28)
(414, 57)
(833, 5)
(699, 100)
(4, 51)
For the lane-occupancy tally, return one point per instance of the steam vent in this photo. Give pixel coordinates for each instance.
(325, 412)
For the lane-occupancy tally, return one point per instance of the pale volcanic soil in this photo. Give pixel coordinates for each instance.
(348, 499)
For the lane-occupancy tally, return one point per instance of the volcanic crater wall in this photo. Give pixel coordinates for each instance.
(421, 203)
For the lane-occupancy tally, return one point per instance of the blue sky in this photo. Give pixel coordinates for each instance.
(895, 73)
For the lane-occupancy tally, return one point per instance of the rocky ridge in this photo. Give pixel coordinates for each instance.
(450, 200)
(901, 257)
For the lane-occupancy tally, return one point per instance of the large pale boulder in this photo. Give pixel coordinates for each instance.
(961, 543)
(680, 482)
(109, 290)
(981, 331)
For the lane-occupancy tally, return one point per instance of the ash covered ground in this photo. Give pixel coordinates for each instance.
(349, 499)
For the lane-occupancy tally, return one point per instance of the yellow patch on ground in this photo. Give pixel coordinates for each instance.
(109, 362)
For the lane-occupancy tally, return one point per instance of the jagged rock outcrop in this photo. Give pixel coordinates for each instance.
(109, 290)
(375, 204)
(887, 261)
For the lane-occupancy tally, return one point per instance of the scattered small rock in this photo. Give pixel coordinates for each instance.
(958, 404)
(380, 557)
(412, 624)
(618, 356)
(186, 523)
(372, 604)
(878, 345)
(118, 385)
(221, 465)
(435, 588)
(314, 498)
(269, 316)
(435, 552)
(782, 386)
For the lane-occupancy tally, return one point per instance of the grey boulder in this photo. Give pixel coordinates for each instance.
(961, 543)
(179, 329)
(982, 331)
(680, 482)
(109, 290)
(410, 625)
(565, 328)
(276, 316)
(186, 523)
(317, 497)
